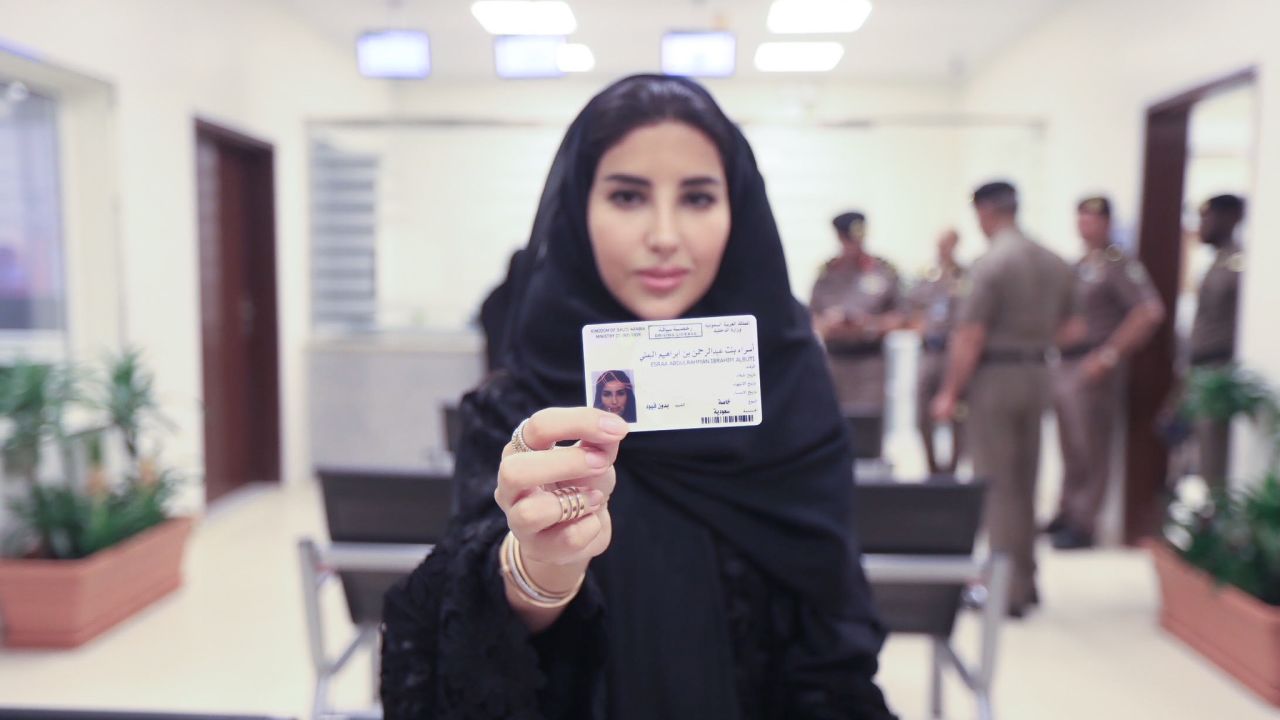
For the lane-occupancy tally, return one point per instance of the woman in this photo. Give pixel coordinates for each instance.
(615, 394)
(730, 587)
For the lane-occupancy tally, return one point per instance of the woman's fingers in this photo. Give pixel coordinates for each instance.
(523, 473)
(547, 427)
(604, 482)
(602, 539)
(527, 483)
(571, 542)
(543, 509)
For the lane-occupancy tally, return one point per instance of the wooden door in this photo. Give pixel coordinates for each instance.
(238, 309)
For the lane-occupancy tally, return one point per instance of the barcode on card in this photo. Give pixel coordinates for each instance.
(721, 419)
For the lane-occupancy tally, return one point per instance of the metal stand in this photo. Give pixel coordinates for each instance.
(319, 566)
(994, 574)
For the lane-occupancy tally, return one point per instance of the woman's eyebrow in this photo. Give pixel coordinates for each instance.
(698, 181)
(629, 179)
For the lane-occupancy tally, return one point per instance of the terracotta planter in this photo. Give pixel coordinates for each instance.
(1238, 632)
(66, 603)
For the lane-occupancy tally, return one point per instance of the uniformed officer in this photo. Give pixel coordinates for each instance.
(933, 304)
(854, 305)
(1121, 310)
(1213, 333)
(1019, 301)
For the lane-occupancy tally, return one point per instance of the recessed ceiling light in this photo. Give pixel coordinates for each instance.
(539, 56)
(575, 58)
(699, 54)
(525, 17)
(527, 56)
(798, 56)
(817, 16)
(403, 54)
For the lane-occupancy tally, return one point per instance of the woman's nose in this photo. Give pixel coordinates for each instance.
(663, 237)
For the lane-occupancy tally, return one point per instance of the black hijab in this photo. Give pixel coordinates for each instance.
(777, 494)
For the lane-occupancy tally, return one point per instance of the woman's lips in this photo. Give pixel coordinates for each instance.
(662, 279)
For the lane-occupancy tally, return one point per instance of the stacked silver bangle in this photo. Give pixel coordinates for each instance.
(514, 572)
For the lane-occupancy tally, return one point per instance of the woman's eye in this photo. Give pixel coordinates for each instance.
(700, 199)
(626, 198)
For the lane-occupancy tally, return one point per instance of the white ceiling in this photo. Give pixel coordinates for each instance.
(902, 40)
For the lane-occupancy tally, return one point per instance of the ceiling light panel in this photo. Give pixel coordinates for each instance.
(817, 16)
(798, 56)
(525, 17)
(699, 54)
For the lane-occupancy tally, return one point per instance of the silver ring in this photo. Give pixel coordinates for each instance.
(577, 503)
(564, 508)
(517, 438)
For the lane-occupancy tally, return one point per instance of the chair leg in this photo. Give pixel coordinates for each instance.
(312, 580)
(984, 706)
(935, 679)
(320, 704)
(375, 661)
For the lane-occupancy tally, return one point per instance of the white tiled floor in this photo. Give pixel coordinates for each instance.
(233, 639)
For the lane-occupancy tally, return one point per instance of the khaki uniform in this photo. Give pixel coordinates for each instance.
(1021, 293)
(1108, 286)
(868, 288)
(935, 299)
(1213, 344)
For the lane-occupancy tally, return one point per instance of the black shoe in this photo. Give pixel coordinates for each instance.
(1056, 525)
(1069, 538)
(1018, 612)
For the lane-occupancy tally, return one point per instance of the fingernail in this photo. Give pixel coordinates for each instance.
(595, 499)
(613, 424)
(596, 459)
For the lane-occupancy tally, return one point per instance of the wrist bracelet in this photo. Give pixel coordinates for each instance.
(513, 571)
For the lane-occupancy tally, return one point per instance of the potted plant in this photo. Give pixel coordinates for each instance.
(32, 399)
(1219, 563)
(86, 552)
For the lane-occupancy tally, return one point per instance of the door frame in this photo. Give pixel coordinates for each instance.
(263, 453)
(1151, 370)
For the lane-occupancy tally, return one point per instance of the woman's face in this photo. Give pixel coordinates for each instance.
(658, 215)
(614, 397)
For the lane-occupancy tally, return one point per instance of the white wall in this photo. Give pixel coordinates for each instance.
(894, 149)
(1091, 71)
(244, 63)
(461, 174)
(1061, 112)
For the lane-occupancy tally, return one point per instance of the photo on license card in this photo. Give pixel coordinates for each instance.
(675, 374)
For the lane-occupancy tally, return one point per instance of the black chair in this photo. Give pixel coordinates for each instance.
(381, 525)
(918, 542)
(452, 428)
(866, 431)
(381, 507)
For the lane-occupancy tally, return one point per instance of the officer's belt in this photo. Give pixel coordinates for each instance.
(1076, 351)
(934, 343)
(848, 348)
(1213, 357)
(1012, 357)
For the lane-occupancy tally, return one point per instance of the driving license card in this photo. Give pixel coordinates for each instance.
(675, 374)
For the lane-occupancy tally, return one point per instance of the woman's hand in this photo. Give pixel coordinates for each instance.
(556, 553)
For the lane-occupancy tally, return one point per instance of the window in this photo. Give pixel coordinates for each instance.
(32, 292)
